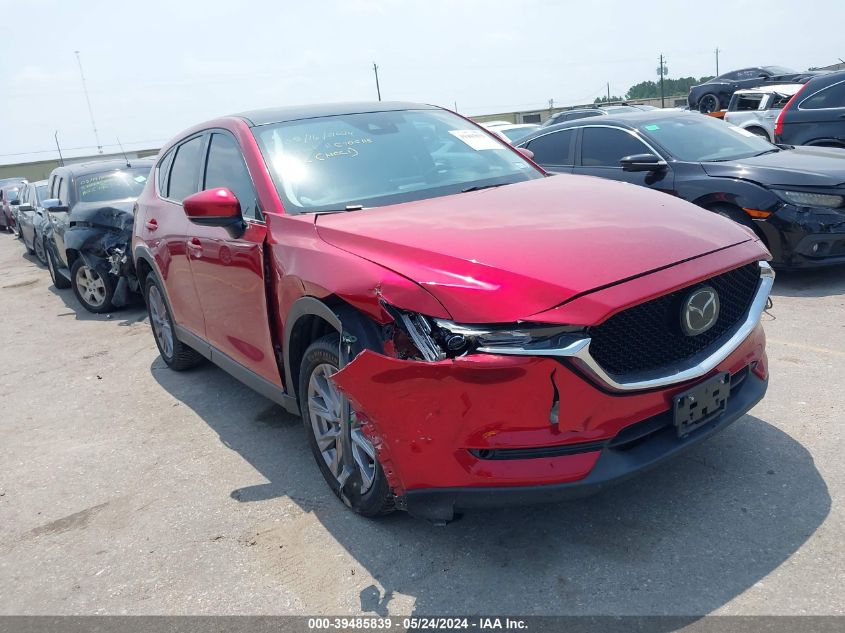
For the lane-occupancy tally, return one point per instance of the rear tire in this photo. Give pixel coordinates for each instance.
(758, 131)
(93, 289)
(58, 280)
(175, 354)
(319, 403)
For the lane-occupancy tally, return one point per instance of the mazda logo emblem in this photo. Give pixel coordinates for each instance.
(700, 311)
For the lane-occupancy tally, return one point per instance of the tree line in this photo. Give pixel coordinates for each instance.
(651, 89)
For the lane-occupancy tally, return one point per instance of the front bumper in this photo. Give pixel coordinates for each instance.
(436, 425)
(805, 237)
(621, 458)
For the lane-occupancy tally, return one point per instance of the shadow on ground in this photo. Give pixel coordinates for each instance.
(132, 312)
(822, 282)
(683, 539)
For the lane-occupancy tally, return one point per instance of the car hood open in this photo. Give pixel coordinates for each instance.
(504, 254)
(801, 167)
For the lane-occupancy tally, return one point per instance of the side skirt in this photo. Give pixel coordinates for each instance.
(235, 369)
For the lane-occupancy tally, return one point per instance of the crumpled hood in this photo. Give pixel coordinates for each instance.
(802, 167)
(116, 214)
(504, 254)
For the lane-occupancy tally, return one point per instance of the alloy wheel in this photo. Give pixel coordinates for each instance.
(160, 321)
(91, 286)
(324, 411)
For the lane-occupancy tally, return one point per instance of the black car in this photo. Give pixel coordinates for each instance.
(587, 112)
(90, 211)
(816, 114)
(716, 93)
(793, 198)
(32, 218)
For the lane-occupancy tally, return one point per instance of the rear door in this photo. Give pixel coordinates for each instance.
(229, 270)
(163, 226)
(555, 151)
(600, 149)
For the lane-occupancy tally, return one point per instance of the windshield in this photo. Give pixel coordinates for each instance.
(697, 138)
(380, 158)
(779, 70)
(112, 185)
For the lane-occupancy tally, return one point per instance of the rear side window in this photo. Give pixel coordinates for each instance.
(746, 102)
(185, 171)
(830, 97)
(554, 149)
(605, 147)
(226, 168)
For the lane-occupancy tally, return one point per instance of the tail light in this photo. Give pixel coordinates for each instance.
(779, 122)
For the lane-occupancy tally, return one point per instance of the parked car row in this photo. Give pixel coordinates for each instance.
(715, 94)
(454, 327)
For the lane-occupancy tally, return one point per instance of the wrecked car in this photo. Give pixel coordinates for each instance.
(454, 328)
(32, 218)
(89, 226)
(792, 197)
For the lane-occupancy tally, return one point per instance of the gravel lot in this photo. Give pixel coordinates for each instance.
(128, 488)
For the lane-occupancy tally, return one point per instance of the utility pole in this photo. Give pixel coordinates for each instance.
(378, 89)
(662, 71)
(551, 104)
(608, 91)
(717, 61)
(88, 100)
(61, 160)
(456, 106)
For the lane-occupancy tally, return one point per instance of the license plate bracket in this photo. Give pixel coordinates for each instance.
(701, 404)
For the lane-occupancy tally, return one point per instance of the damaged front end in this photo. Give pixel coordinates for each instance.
(101, 237)
(465, 415)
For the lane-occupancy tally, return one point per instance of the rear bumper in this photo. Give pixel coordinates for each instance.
(617, 461)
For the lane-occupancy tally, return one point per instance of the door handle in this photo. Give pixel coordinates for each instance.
(151, 225)
(195, 246)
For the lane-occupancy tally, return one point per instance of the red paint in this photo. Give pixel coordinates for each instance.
(564, 249)
(426, 415)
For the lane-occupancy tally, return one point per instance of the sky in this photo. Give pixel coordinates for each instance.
(156, 67)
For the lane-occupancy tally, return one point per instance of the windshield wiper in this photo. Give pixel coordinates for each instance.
(348, 207)
(768, 151)
(480, 187)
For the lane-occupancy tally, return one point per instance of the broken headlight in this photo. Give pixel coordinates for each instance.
(424, 338)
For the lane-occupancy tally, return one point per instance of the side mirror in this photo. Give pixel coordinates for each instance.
(25, 207)
(55, 205)
(214, 207)
(14, 203)
(642, 162)
(526, 152)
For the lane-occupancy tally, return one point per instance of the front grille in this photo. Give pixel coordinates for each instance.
(649, 336)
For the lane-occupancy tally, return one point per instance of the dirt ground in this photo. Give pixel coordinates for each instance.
(126, 488)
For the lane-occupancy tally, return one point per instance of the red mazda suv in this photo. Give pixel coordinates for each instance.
(455, 328)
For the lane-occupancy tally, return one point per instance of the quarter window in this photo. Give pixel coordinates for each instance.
(184, 173)
(830, 97)
(162, 173)
(554, 148)
(605, 147)
(226, 168)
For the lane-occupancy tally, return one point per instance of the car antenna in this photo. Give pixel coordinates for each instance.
(125, 157)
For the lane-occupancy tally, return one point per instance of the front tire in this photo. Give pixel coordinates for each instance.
(93, 289)
(365, 489)
(709, 103)
(175, 354)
